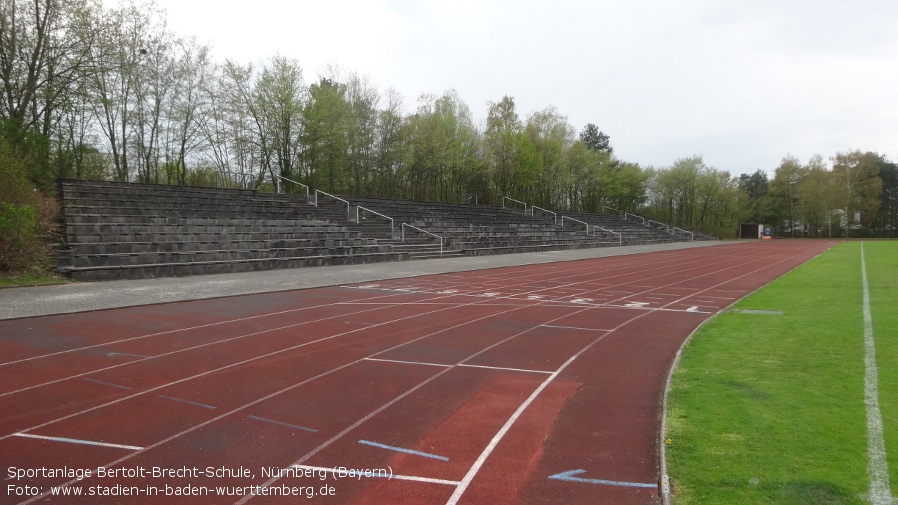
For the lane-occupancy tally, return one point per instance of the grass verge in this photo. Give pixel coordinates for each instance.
(769, 409)
(9, 281)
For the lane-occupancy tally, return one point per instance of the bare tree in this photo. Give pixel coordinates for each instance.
(118, 59)
(44, 49)
(188, 108)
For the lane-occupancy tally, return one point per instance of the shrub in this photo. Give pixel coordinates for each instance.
(26, 216)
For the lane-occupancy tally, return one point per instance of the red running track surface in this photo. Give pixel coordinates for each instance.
(529, 384)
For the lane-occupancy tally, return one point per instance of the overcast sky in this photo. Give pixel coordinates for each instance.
(741, 83)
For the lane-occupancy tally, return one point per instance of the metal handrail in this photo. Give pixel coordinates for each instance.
(422, 231)
(513, 200)
(612, 208)
(577, 220)
(691, 235)
(554, 215)
(620, 236)
(332, 196)
(294, 182)
(634, 215)
(659, 222)
(373, 212)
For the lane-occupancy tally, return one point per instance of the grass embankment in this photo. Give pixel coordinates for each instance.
(769, 409)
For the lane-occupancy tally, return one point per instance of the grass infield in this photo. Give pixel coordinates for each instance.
(769, 408)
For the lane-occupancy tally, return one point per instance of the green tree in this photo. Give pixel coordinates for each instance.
(278, 98)
(584, 165)
(887, 222)
(552, 136)
(691, 194)
(674, 189)
(857, 174)
(596, 139)
(785, 204)
(503, 126)
(819, 195)
(363, 100)
(326, 120)
(392, 150)
(755, 188)
(444, 146)
(626, 184)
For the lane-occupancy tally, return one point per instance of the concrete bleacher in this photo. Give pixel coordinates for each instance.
(128, 231)
(480, 230)
(122, 230)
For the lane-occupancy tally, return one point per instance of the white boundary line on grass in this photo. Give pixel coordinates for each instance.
(877, 466)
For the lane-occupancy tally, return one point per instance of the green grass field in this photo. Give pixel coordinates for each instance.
(769, 409)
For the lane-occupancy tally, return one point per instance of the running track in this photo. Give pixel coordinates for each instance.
(529, 384)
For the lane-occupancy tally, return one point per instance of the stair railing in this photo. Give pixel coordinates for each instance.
(691, 235)
(577, 220)
(620, 237)
(375, 213)
(513, 200)
(278, 180)
(422, 231)
(554, 215)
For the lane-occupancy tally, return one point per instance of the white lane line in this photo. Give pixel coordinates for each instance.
(403, 450)
(571, 327)
(96, 381)
(281, 423)
(78, 441)
(425, 363)
(188, 402)
(877, 466)
(407, 362)
(526, 370)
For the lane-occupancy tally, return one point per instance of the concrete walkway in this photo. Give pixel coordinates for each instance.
(80, 297)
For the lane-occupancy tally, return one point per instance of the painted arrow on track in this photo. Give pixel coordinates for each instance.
(570, 475)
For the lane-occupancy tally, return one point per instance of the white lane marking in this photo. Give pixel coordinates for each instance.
(527, 370)
(877, 467)
(407, 362)
(78, 441)
(571, 327)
